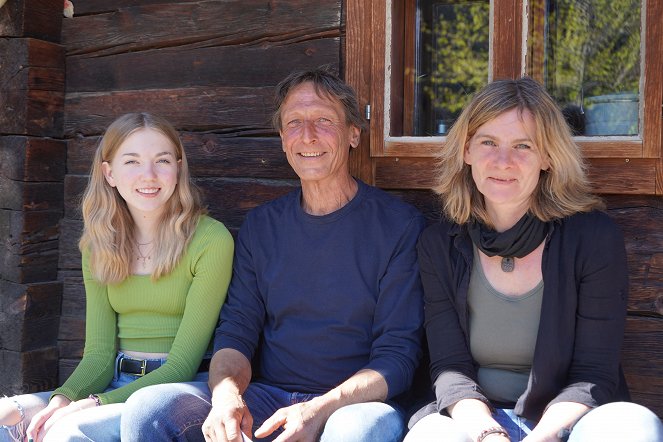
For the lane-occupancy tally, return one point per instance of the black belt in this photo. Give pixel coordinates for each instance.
(141, 367)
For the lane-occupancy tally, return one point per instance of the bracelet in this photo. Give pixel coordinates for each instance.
(492, 430)
(96, 399)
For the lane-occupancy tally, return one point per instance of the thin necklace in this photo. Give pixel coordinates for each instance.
(146, 257)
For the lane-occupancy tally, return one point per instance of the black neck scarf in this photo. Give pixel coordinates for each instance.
(517, 242)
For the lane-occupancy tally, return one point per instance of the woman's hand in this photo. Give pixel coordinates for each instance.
(56, 409)
(36, 424)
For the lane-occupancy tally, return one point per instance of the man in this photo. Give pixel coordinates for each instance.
(325, 300)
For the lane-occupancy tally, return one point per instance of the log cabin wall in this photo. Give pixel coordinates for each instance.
(32, 165)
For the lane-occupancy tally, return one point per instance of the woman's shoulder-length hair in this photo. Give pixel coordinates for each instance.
(108, 231)
(562, 190)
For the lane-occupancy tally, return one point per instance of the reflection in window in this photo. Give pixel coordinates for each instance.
(587, 53)
(451, 61)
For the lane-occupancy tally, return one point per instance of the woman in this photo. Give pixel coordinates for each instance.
(525, 285)
(156, 270)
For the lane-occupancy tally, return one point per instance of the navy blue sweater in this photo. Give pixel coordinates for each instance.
(317, 298)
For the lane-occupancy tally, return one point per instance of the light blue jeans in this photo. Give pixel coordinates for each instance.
(176, 412)
(97, 424)
(614, 422)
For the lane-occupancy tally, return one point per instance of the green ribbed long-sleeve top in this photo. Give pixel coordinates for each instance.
(176, 315)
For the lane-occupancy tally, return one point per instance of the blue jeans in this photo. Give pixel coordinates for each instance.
(176, 412)
(103, 422)
(99, 424)
(614, 422)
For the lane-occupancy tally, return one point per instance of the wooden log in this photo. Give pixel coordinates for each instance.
(196, 109)
(623, 175)
(218, 66)
(71, 341)
(28, 372)
(71, 329)
(39, 369)
(71, 349)
(642, 359)
(70, 233)
(73, 295)
(40, 19)
(31, 63)
(32, 159)
(32, 88)
(107, 28)
(639, 219)
(30, 196)
(12, 382)
(30, 251)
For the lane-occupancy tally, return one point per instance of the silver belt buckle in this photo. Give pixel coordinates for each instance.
(143, 366)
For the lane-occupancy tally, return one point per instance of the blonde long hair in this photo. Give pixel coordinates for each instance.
(562, 190)
(109, 230)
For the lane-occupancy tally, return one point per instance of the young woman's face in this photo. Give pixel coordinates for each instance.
(144, 170)
(506, 161)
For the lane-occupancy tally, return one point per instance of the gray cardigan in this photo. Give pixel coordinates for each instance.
(581, 329)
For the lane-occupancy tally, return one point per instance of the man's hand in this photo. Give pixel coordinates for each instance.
(301, 422)
(227, 420)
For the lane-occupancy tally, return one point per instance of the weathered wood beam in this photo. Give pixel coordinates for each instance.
(40, 19)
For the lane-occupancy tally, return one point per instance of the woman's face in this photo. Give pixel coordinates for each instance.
(144, 170)
(506, 162)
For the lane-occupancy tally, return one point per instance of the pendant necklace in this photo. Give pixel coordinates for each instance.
(143, 257)
(508, 264)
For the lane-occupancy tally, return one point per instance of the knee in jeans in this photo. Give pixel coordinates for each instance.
(619, 421)
(363, 423)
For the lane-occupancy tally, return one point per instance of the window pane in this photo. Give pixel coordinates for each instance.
(451, 61)
(587, 53)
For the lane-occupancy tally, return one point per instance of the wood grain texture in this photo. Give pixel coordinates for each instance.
(506, 41)
(28, 372)
(31, 87)
(652, 93)
(32, 159)
(359, 31)
(195, 109)
(121, 28)
(642, 359)
(30, 245)
(40, 19)
(209, 66)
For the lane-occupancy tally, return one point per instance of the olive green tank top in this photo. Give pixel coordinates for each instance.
(503, 332)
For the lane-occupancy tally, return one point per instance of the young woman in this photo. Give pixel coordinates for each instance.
(525, 285)
(156, 270)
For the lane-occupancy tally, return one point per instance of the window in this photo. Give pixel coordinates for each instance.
(426, 58)
(588, 56)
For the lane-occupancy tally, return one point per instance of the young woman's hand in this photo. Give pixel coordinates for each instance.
(36, 424)
(57, 408)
